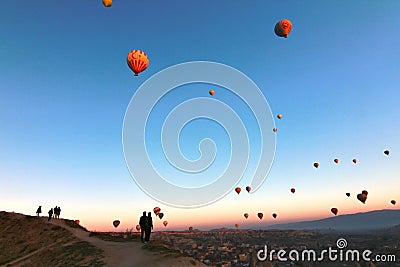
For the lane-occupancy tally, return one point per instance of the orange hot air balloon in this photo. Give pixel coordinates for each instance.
(283, 28)
(107, 3)
(238, 190)
(334, 211)
(293, 190)
(275, 130)
(190, 229)
(348, 194)
(156, 211)
(246, 215)
(354, 161)
(260, 215)
(393, 202)
(77, 221)
(248, 188)
(211, 92)
(137, 61)
(336, 161)
(279, 116)
(362, 198)
(236, 225)
(386, 152)
(116, 223)
(274, 215)
(165, 223)
(316, 164)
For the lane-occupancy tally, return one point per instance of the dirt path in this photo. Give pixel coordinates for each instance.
(129, 254)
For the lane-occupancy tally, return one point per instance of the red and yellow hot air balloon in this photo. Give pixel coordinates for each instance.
(137, 61)
(246, 215)
(107, 3)
(334, 210)
(238, 190)
(165, 223)
(260, 215)
(116, 223)
(283, 28)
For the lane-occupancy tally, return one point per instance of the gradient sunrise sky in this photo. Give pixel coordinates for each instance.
(65, 87)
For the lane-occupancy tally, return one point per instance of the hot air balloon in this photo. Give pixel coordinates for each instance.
(393, 202)
(138, 227)
(274, 215)
(156, 210)
(279, 116)
(211, 92)
(246, 215)
(107, 3)
(248, 188)
(283, 28)
(362, 198)
(190, 229)
(386, 152)
(238, 190)
(316, 164)
(293, 190)
(334, 211)
(336, 161)
(161, 215)
(236, 225)
(260, 215)
(116, 223)
(275, 130)
(365, 192)
(77, 221)
(137, 61)
(348, 194)
(165, 223)
(354, 161)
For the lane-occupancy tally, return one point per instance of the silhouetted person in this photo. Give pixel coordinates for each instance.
(58, 212)
(149, 227)
(39, 210)
(50, 214)
(143, 225)
(55, 212)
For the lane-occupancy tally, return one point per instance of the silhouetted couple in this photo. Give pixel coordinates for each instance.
(146, 225)
(57, 211)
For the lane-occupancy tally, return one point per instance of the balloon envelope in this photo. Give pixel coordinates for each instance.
(138, 227)
(248, 188)
(275, 130)
(354, 161)
(348, 194)
(260, 215)
(212, 92)
(274, 215)
(161, 215)
(334, 210)
(165, 223)
(137, 61)
(107, 3)
(393, 202)
(279, 116)
(316, 164)
(156, 210)
(365, 192)
(336, 161)
(238, 190)
(362, 198)
(246, 215)
(283, 28)
(77, 221)
(293, 190)
(236, 225)
(116, 223)
(386, 152)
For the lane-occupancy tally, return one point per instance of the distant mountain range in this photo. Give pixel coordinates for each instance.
(372, 220)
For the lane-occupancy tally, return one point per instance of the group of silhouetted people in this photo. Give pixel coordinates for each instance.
(53, 213)
(146, 225)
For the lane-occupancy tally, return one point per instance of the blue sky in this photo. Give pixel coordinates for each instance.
(65, 86)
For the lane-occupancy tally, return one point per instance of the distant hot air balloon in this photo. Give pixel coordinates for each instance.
(393, 202)
(236, 225)
(354, 161)
(348, 194)
(274, 215)
(107, 3)
(161, 215)
(293, 190)
(316, 164)
(334, 211)
(275, 130)
(156, 210)
(365, 192)
(336, 161)
(138, 227)
(386, 152)
(279, 116)
(362, 198)
(116, 223)
(212, 92)
(283, 28)
(238, 190)
(165, 223)
(248, 188)
(137, 61)
(246, 215)
(77, 221)
(190, 229)
(260, 215)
